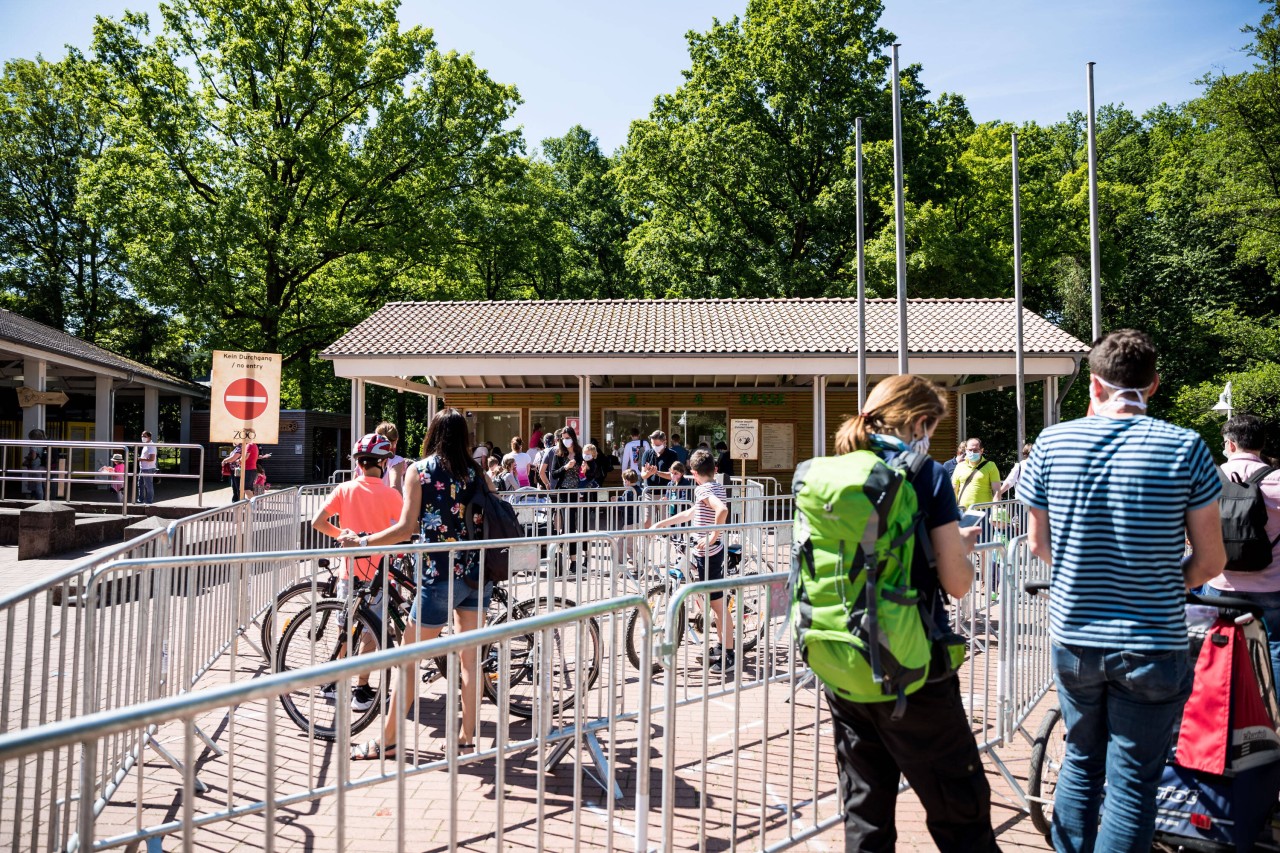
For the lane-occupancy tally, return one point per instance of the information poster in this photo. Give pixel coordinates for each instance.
(777, 447)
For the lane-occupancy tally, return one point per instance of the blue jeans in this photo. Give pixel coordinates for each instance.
(1119, 707)
(1270, 604)
(146, 486)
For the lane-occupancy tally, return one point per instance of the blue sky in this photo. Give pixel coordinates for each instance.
(601, 64)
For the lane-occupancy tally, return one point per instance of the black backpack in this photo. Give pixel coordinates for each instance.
(498, 520)
(1244, 522)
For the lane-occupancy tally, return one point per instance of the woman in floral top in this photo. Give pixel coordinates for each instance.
(447, 479)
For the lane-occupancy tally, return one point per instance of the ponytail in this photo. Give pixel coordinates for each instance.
(891, 407)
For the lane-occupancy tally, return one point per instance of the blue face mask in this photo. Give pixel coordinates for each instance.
(973, 457)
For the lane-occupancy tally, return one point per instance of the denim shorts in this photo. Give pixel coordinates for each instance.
(432, 606)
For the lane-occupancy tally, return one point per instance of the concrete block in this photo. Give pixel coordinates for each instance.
(45, 528)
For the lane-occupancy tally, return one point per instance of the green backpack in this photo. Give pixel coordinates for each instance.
(857, 619)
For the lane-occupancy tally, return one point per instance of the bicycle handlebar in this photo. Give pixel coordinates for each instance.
(1220, 602)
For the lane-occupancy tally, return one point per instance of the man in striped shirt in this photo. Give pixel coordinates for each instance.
(710, 507)
(1112, 499)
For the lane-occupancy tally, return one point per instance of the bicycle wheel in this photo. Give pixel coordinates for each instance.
(658, 597)
(293, 599)
(754, 621)
(1046, 762)
(318, 634)
(575, 655)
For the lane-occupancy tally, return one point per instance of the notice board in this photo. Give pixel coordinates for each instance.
(777, 446)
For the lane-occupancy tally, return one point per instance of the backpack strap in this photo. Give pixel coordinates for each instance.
(1260, 475)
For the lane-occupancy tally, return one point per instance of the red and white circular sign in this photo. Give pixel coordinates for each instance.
(245, 399)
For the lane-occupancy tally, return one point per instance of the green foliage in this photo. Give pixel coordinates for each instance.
(265, 175)
(282, 164)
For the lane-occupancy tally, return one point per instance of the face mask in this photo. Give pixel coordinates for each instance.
(568, 442)
(588, 456)
(1118, 399)
(973, 457)
(658, 448)
(921, 445)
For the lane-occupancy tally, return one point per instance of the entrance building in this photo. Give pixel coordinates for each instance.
(690, 366)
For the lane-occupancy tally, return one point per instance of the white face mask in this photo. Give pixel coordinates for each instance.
(921, 445)
(568, 442)
(1119, 398)
(588, 456)
(658, 448)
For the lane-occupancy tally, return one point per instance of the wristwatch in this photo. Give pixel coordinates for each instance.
(364, 541)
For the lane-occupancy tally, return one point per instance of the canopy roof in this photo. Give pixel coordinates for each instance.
(530, 344)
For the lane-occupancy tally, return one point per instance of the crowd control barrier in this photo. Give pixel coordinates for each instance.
(270, 769)
(588, 625)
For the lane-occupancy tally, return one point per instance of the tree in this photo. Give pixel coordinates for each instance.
(1244, 148)
(744, 177)
(284, 161)
(589, 203)
(57, 268)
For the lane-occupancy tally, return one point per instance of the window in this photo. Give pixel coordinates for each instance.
(697, 426)
(496, 426)
(618, 424)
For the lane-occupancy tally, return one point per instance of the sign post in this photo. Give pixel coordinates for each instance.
(744, 443)
(244, 400)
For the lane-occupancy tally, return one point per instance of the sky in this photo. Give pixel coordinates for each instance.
(601, 64)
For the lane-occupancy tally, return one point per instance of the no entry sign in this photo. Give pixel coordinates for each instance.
(244, 399)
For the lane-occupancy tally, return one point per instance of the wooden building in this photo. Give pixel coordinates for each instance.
(693, 366)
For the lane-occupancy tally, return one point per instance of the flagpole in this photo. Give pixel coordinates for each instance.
(1019, 360)
(899, 216)
(1095, 253)
(862, 269)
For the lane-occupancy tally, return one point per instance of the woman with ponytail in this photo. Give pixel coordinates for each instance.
(931, 744)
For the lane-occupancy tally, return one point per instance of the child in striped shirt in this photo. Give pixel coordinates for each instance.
(710, 508)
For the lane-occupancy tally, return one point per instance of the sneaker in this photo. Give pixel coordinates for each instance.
(713, 654)
(328, 691)
(725, 664)
(363, 697)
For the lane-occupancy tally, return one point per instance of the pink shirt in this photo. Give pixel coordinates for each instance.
(1268, 580)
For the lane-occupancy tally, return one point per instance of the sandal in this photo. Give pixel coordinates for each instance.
(372, 751)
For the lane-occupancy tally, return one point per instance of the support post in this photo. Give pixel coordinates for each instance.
(899, 216)
(35, 377)
(819, 416)
(103, 417)
(862, 269)
(1050, 401)
(151, 411)
(962, 417)
(584, 411)
(1020, 367)
(357, 410)
(1095, 253)
(184, 432)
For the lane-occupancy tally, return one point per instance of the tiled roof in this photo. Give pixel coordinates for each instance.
(695, 326)
(21, 330)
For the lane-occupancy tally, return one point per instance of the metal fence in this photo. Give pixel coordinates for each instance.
(269, 771)
(162, 623)
(59, 466)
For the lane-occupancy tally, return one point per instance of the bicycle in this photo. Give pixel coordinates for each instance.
(330, 628)
(693, 620)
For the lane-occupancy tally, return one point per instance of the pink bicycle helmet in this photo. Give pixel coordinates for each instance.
(373, 447)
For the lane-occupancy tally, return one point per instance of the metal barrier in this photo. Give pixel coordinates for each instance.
(778, 806)
(50, 477)
(1002, 522)
(1026, 646)
(276, 769)
(153, 627)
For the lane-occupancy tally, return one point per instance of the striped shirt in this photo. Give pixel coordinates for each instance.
(1117, 491)
(705, 513)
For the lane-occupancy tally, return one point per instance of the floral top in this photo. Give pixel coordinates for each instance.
(444, 500)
